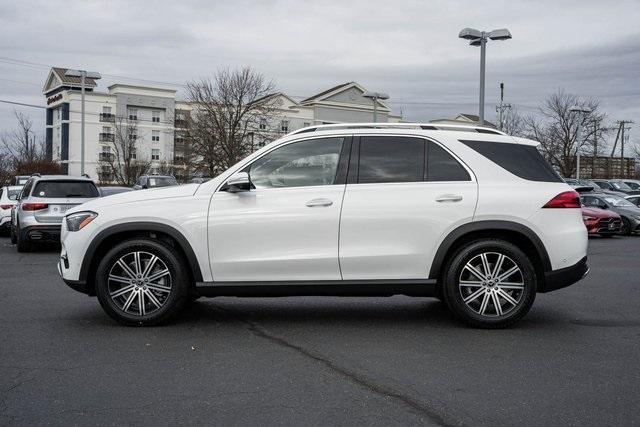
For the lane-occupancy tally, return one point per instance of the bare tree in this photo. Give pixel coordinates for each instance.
(513, 123)
(122, 164)
(226, 110)
(21, 144)
(556, 128)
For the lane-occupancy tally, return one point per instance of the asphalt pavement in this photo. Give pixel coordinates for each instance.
(574, 360)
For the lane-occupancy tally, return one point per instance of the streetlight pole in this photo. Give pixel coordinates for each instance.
(83, 74)
(375, 96)
(581, 112)
(479, 38)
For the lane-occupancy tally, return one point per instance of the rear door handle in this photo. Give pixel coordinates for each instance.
(448, 198)
(319, 202)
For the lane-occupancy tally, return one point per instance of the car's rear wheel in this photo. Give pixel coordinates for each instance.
(142, 282)
(626, 227)
(490, 284)
(22, 244)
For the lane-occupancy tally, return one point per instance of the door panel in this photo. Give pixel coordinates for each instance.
(390, 230)
(276, 234)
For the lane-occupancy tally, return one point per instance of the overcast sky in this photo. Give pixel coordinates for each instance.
(408, 49)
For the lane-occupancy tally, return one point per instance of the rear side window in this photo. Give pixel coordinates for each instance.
(65, 189)
(391, 159)
(524, 161)
(441, 166)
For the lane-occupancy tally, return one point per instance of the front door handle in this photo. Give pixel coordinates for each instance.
(319, 202)
(448, 198)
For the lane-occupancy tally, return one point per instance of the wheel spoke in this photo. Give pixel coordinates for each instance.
(485, 303)
(496, 303)
(126, 268)
(498, 265)
(471, 283)
(507, 297)
(158, 275)
(121, 291)
(511, 285)
(149, 266)
(153, 298)
(141, 308)
(474, 295)
(157, 287)
(119, 279)
(485, 264)
(127, 304)
(137, 263)
(508, 273)
(474, 271)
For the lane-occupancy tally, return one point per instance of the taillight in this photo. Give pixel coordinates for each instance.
(568, 199)
(5, 206)
(34, 206)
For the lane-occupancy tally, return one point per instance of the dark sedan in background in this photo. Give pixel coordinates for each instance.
(629, 213)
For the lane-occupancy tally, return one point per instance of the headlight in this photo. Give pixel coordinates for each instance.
(78, 221)
(587, 218)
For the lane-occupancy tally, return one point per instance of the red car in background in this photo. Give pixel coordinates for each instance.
(601, 221)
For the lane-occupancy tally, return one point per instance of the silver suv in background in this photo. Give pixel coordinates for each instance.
(42, 204)
(8, 196)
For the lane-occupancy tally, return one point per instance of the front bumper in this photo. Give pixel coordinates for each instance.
(558, 279)
(76, 285)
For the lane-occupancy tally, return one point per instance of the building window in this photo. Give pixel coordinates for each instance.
(155, 135)
(284, 126)
(263, 124)
(178, 139)
(106, 129)
(105, 155)
(306, 124)
(132, 113)
(106, 110)
(133, 154)
(133, 137)
(155, 116)
(106, 115)
(155, 154)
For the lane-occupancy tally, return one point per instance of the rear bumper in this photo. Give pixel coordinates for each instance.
(558, 279)
(41, 233)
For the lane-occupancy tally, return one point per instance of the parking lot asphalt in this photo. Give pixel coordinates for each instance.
(574, 360)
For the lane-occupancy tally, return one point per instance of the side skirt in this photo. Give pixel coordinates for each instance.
(347, 288)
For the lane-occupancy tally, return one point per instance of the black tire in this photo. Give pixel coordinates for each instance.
(179, 284)
(626, 227)
(22, 244)
(523, 295)
(14, 239)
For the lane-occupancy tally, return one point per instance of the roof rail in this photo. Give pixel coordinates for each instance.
(36, 174)
(423, 126)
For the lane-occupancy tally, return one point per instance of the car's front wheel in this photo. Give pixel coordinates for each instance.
(142, 282)
(490, 284)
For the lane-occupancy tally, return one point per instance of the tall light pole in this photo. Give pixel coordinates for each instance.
(479, 38)
(375, 96)
(582, 113)
(83, 74)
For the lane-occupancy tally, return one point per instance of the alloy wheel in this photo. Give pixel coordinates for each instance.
(491, 284)
(139, 283)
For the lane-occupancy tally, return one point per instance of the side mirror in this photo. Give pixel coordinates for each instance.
(238, 182)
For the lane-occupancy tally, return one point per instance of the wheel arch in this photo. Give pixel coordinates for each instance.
(116, 233)
(518, 234)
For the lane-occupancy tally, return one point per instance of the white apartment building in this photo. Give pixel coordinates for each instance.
(158, 116)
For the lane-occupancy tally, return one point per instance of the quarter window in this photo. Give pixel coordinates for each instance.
(441, 166)
(391, 159)
(300, 164)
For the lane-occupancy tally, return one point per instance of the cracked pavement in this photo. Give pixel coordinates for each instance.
(316, 361)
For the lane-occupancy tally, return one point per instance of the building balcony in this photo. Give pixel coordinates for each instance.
(180, 123)
(106, 137)
(107, 117)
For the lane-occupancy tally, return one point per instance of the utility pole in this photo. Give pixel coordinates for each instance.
(502, 107)
(620, 135)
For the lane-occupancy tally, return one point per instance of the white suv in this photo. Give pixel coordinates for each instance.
(466, 214)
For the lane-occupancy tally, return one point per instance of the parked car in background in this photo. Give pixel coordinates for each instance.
(154, 181)
(8, 196)
(602, 222)
(622, 186)
(365, 209)
(20, 179)
(634, 199)
(43, 202)
(604, 186)
(633, 183)
(629, 213)
(108, 191)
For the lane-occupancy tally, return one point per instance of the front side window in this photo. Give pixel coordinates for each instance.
(391, 159)
(300, 164)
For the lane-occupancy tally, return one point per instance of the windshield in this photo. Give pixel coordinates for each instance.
(620, 186)
(603, 185)
(633, 185)
(65, 189)
(164, 181)
(13, 194)
(618, 201)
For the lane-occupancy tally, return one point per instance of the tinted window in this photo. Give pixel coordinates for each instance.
(441, 166)
(524, 161)
(300, 164)
(12, 194)
(65, 189)
(27, 189)
(161, 181)
(391, 159)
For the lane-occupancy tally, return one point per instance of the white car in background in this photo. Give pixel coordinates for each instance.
(466, 214)
(8, 197)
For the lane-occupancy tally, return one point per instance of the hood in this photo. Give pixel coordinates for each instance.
(599, 213)
(139, 196)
